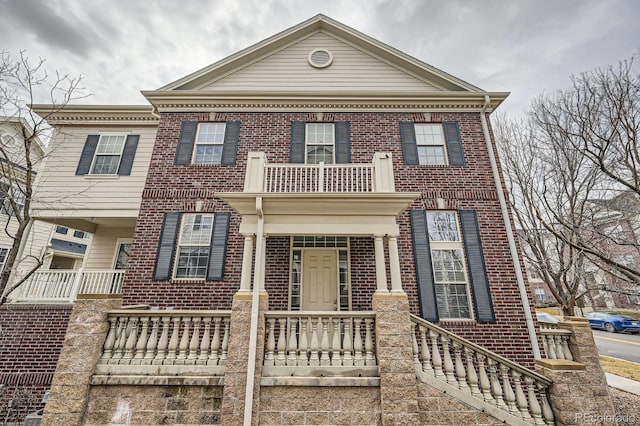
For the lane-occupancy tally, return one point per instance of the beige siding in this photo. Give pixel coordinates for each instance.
(103, 247)
(352, 70)
(36, 245)
(62, 193)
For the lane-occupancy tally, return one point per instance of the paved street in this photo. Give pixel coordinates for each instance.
(624, 346)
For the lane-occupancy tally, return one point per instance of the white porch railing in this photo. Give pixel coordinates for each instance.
(165, 343)
(319, 178)
(314, 343)
(62, 286)
(556, 343)
(475, 373)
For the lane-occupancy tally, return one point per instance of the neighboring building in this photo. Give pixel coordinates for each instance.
(335, 174)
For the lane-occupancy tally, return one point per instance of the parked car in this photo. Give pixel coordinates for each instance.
(613, 323)
(546, 318)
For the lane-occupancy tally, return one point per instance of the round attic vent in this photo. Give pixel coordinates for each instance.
(320, 58)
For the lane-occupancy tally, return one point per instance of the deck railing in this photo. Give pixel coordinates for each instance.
(301, 343)
(441, 355)
(165, 343)
(62, 286)
(556, 343)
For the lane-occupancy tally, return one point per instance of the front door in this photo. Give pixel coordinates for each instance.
(319, 288)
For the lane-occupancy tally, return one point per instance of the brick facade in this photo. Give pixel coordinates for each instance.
(30, 343)
(172, 187)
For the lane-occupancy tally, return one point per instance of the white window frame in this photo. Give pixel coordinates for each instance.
(425, 140)
(197, 143)
(96, 154)
(539, 294)
(450, 245)
(308, 143)
(182, 244)
(119, 242)
(4, 253)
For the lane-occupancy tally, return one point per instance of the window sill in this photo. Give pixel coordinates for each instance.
(102, 177)
(459, 321)
(188, 280)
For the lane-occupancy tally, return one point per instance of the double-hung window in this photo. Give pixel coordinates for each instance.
(320, 142)
(4, 252)
(430, 144)
(449, 268)
(193, 246)
(108, 155)
(209, 143)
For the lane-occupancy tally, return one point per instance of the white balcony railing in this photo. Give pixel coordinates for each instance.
(62, 286)
(165, 343)
(305, 343)
(265, 177)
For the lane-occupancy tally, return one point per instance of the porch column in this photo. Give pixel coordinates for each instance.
(381, 272)
(394, 265)
(247, 260)
(263, 262)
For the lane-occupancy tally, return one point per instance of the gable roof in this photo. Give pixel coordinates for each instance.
(209, 87)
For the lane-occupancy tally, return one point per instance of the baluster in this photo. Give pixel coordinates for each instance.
(225, 343)
(509, 395)
(292, 347)
(121, 338)
(163, 343)
(461, 374)
(545, 346)
(336, 359)
(152, 343)
(214, 357)
(416, 349)
(324, 342)
(565, 346)
(547, 412)
(347, 343)
(131, 340)
(173, 342)
(314, 359)
(472, 376)
(205, 343)
(496, 387)
(141, 346)
(357, 343)
(521, 399)
(534, 405)
(184, 340)
(271, 342)
(551, 345)
(370, 358)
(448, 362)
(559, 349)
(435, 355)
(107, 348)
(281, 346)
(303, 359)
(194, 344)
(483, 379)
(426, 354)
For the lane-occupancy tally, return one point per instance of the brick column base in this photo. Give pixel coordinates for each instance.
(86, 332)
(579, 394)
(235, 379)
(398, 391)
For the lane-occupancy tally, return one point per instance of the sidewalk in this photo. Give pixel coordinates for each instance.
(623, 383)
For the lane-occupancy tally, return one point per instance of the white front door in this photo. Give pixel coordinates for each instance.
(320, 280)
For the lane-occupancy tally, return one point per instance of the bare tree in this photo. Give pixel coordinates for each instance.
(21, 151)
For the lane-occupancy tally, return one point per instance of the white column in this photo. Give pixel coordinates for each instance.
(247, 260)
(381, 273)
(394, 266)
(263, 262)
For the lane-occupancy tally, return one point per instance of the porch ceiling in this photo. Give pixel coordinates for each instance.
(321, 213)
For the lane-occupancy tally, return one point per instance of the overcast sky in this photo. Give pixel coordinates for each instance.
(124, 46)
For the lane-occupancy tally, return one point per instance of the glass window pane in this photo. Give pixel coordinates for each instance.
(320, 133)
(429, 134)
(431, 155)
(211, 132)
(112, 144)
(453, 301)
(196, 229)
(106, 165)
(208, 154)
(319, 153)
(443, 226)
(192, 262)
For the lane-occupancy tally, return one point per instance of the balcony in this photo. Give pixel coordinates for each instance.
(62, 286)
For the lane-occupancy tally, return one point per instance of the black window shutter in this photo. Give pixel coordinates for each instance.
(424, 269)
(231, 139)
(409, 148)
(477, 268)
(166, 246)
(185, 142)
(343, 142)
(128, 154)
(454, 143)
(86, 158)
(296, 146)
(218, 247)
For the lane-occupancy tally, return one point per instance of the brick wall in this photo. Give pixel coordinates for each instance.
(177, 188)
(30, 343)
